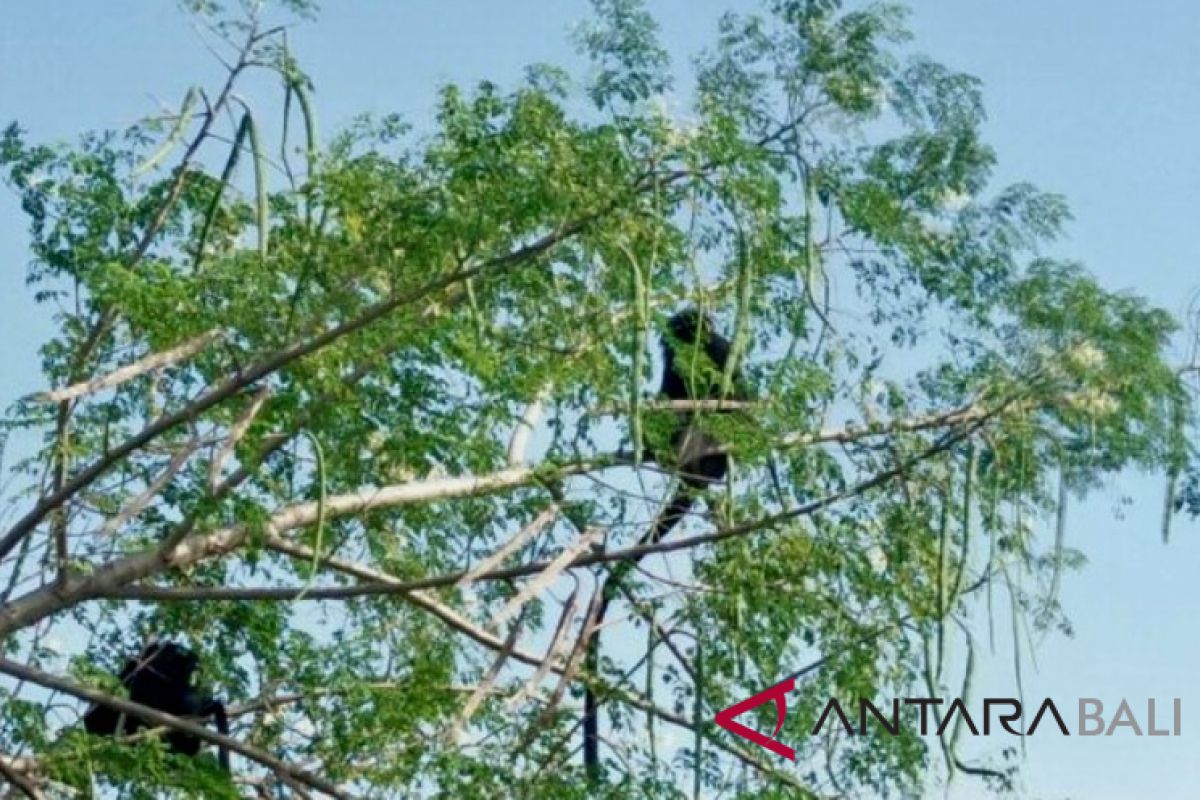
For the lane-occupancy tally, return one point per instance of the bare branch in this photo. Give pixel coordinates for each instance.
(240, 426)
(404, 494)
(511, 546)
(524, 429)
(149, 363)
(547, 576)
(485, 686)
(554, 652)
(572, 666)
(135, 506)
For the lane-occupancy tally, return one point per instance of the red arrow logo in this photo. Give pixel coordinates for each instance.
(777, 692)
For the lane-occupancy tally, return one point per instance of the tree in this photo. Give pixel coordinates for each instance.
(364, 422)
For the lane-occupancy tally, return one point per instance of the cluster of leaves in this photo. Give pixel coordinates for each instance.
(930, 389)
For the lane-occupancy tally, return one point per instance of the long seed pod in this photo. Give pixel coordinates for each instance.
(968, 498)
(300, 87)
(286, 72)
(176, 134)
(741, 325)
(943, 606)
(641, 315)
(649, 691)
(235, 152)
(965, 692)
(1177, 458)
(321, 493)
(1060, 533)
(260, 186)
(698, 721)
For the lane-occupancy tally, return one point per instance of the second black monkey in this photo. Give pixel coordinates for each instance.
(161, 678)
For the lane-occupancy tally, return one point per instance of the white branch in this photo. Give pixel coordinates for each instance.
(130, 371)
(519, 442)
(485, 686)
(235, 435)
(555, 653)
(510, 547)
(546, 577)
(422, 491)
(135, 506)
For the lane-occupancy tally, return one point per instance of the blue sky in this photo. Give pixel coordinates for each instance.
(1098, 101)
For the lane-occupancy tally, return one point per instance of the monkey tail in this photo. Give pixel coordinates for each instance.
(222, 722)
(591, 732)
(677, 508)
(591, 707)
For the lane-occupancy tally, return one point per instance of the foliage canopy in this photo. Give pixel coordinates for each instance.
(307, 371)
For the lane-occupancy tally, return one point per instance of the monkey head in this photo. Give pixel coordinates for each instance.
(686, 325)
(169, 662)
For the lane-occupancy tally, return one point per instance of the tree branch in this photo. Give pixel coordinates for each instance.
(149, 363)
(178, 594)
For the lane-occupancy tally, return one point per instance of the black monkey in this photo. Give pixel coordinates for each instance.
(694, 371)
(694, 375)
(161, 678)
